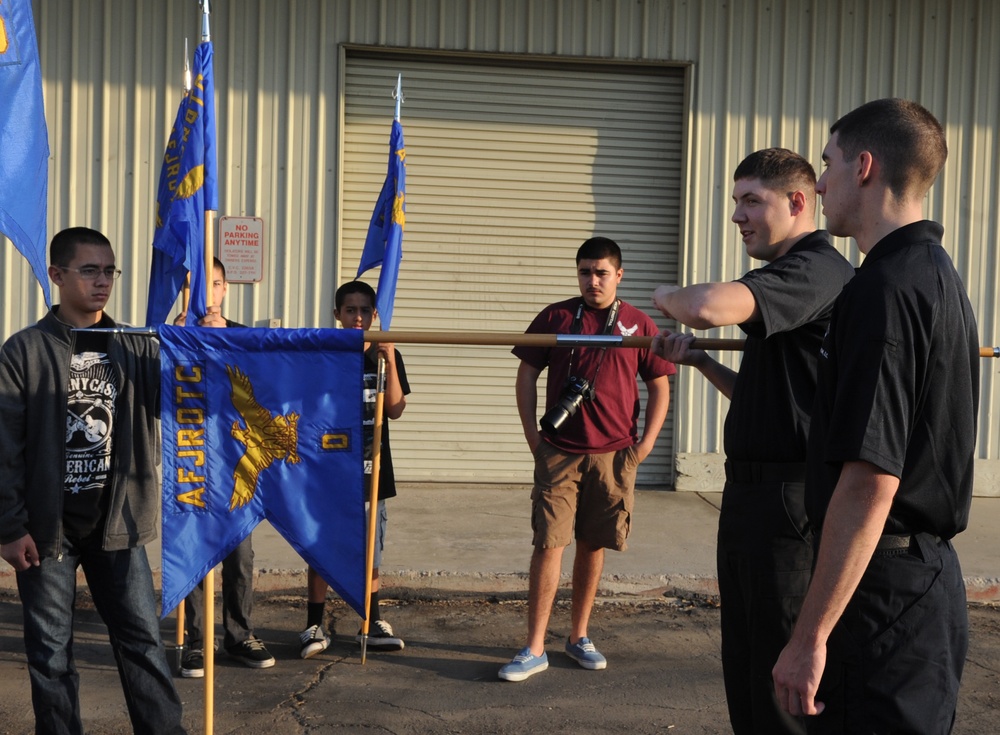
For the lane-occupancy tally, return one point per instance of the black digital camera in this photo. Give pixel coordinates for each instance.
(576, 391)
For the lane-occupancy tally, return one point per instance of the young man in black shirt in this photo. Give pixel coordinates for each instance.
(883, 632)
(765, 549)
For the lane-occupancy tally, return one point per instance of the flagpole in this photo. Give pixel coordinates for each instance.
(517, 339)
(209, 597)
(397, 94)
(373, 502)
(179, 638)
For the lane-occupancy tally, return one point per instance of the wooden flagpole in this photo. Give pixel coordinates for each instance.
(373, 501)
(515, 339)
(209, 598)
(208, 632)
(512, 339)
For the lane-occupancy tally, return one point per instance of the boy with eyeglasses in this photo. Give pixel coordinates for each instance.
(79, 487)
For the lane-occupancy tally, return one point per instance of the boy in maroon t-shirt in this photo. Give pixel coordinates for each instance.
(585, 464)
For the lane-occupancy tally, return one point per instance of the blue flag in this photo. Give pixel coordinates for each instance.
(24, 139)
(262, 423)
(188, 187)
(384, 243)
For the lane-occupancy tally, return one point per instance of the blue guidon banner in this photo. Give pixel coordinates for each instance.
(262, 423)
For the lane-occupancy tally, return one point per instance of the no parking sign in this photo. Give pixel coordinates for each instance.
(241, 248)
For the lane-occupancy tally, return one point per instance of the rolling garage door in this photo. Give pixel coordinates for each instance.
(510, 166)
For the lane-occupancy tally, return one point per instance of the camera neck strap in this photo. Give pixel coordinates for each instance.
(577, 326)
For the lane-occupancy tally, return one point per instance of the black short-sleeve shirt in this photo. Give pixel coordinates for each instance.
(768, 419)
(899, 384)
(387, 476)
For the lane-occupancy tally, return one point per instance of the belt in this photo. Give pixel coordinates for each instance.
(899, 542)
(894, 542)
(754, 472)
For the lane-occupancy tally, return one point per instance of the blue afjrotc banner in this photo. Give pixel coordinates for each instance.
(262, 423)
(384, 242)
(188, 187)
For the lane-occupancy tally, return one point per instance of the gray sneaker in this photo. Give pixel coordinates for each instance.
(586, 654)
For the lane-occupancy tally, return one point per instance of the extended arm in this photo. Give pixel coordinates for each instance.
(854, 521)
(526, 392)
(707, 305)
(677, 348)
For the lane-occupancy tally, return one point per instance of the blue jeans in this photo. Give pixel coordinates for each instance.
(122, 588)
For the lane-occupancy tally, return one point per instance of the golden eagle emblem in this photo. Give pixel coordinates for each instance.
(266, 437)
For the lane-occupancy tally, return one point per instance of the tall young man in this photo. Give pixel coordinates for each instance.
(79, 487)
(880, 642)
(765, 550)
(585, 466)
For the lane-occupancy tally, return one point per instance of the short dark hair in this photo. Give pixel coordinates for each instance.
(216, 263)
(353, 287)
(779, 169)
(905, 138)
(597, 248)
(62, 249)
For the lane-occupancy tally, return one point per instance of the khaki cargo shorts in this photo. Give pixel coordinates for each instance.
(586, 496)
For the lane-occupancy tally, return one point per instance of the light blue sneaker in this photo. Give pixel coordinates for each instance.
(585, 654)
(524, 664)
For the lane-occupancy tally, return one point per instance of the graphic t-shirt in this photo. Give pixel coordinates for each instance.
(90, 419)
(386, 477)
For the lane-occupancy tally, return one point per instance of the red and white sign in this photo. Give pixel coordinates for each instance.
(241, 248)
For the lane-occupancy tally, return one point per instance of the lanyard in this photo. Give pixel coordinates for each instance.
(578, 326)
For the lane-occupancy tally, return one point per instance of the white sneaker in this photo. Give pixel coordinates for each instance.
(314, 640)
(380, 636)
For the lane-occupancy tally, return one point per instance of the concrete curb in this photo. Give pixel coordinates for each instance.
(277, 582)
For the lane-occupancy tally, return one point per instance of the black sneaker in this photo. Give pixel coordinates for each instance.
(314, 640)
(380, 636)
(193, 664)
(252, 653)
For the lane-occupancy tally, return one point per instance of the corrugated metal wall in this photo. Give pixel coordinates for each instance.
(766, 72)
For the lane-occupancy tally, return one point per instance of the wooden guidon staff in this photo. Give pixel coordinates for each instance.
(509, 339)
(560, 340)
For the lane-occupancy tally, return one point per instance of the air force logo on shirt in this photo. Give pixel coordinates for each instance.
(627, 331)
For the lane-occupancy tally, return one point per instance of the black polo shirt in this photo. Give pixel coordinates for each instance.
(768, 418)
(899, 384)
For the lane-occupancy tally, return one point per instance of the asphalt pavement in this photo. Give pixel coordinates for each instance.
(454, 575)
(461, 538)
(457, 538)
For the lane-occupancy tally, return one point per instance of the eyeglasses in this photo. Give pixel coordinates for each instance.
(91, 272)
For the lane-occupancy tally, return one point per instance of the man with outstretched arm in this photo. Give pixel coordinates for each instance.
(765, 550)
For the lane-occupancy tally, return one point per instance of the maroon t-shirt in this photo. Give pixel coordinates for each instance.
(609, 421)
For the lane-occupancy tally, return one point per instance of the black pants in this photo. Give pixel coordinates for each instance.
(895, 658)
(765, 555)
(237, 602)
